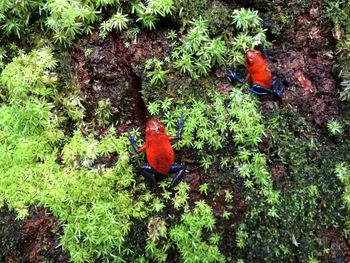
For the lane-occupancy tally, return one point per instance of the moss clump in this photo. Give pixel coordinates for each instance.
(338, 12)
(188, 236)
(305, 183)
(94, 204)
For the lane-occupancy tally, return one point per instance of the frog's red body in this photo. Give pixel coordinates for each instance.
(257, 68)
(159, 152)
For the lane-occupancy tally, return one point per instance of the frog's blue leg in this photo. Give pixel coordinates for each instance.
(233, 76)
(263, 52)
(147, 172)
(133, 142)
(179, 169)
(260, 90)
(277, 87)
(180, 124)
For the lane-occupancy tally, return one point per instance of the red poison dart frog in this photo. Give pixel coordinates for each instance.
(263, 81)
(159, 152)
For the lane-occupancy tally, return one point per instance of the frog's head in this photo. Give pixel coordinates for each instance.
(154, 128)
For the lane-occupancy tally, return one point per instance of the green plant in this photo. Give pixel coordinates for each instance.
(157, 75)
(334, 127)
(220, 123)
(252, 35)
(342, 171)
(95, 204)
(241, 236)
(15, 16)
(228, 196)
(283, 215)
(337, 12)
(203, 189)
(118, 21)
(68, 19)
(148, 15)
(345, 83)
(226, 215)
(188, 235)
(157, 247)
(246, 19)
(197, 52)
(181, 197)
(2, 57)
(188, 10)
(103, 112)
(160, 7)
(74, 108)
(313, 260)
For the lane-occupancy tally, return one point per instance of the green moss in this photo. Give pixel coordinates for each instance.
(188, 236)
(188, 10)
(306, 185)
(337, 12)
(94, 204)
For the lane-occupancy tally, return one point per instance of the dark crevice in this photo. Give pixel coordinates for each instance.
(135, 88)
(134, 81)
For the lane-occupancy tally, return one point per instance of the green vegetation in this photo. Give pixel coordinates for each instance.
(338, 11)
(343, 173)
(157, 75)
(188, 236)
(68, 19)
(334, 127)
(197, 52)
(299, 196)
(256, 189)
(222, 123)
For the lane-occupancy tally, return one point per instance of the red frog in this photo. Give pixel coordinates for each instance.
(263, 82)
(159, 152)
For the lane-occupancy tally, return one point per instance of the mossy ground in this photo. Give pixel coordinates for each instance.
(300, 152)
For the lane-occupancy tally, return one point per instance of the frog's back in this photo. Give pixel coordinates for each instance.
(160, 154)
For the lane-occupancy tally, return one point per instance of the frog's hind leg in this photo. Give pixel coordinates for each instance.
(179, 169)
(147, 172)
(260, 90)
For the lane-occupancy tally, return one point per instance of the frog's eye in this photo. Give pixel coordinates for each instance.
(248, 62)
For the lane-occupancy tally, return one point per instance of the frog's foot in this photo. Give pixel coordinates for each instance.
(233, 76)
(147, 172)
(179, 169)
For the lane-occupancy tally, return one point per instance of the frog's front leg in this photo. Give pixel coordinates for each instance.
(179, 169)
(180, 124)
(233, 76)
(134, 144)
(263, 51)
(147, 172)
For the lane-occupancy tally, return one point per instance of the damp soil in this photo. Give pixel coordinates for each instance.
(112, 68)
(32, 240)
